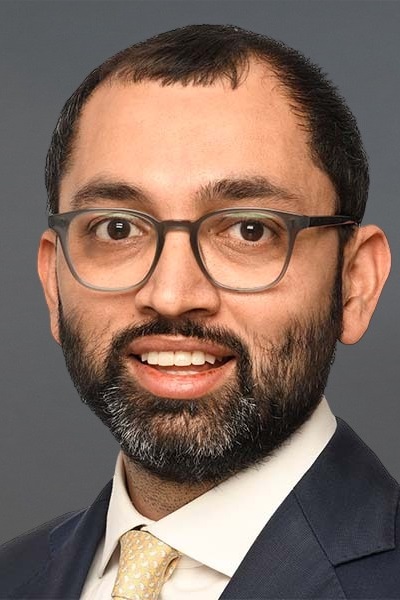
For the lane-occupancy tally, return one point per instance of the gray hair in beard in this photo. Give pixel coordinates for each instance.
(213, 437)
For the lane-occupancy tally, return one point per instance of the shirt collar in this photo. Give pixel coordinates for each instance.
(218, 528)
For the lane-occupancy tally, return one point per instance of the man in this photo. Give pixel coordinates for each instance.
(203, 257)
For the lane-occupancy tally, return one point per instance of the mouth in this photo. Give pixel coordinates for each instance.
(180, 373)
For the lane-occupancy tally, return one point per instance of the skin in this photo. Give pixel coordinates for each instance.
(170, 141)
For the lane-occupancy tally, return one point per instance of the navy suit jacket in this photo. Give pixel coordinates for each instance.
(337, 535)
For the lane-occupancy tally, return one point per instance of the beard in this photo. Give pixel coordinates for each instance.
(208, 439)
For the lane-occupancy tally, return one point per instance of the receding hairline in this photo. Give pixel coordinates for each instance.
(199, 55)
(129, 71)
(126, 77)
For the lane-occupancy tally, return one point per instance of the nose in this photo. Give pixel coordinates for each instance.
(178, 287)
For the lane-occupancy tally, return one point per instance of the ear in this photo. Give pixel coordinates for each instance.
(47, 258)
(365, 270)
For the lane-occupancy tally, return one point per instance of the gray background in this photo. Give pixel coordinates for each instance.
(55, 456)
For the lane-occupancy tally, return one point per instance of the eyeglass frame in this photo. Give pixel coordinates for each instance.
(294, 223)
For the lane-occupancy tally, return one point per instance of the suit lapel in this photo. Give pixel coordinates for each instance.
(342, 509)
(72, 547)
(349, 499)
(285, 561)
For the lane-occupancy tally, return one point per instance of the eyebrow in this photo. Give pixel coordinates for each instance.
(232, 188)
(100, 189)
(244, 188)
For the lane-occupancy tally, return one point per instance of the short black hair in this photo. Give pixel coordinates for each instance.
(200, 55)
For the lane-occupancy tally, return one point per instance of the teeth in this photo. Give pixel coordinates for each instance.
(165, 359)
(179, 359)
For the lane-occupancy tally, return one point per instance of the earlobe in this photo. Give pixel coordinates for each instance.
(365, 270)
(48, 276)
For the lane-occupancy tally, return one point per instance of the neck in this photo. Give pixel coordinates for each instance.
(155, 498)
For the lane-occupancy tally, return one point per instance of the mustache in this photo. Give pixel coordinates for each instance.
(186, 328)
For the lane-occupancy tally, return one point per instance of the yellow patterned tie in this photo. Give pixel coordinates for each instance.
(145, 564)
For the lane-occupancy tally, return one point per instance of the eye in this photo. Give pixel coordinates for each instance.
(116, 228)
(251, 231)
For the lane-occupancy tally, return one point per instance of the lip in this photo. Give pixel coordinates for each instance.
(167, 384)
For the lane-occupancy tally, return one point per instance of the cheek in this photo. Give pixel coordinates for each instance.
(98, 314)
(302, 295)
(310, 279)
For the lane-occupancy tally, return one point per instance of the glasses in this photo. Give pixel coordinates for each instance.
(241, 249)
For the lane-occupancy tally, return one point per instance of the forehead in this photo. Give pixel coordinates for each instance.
(170, 141)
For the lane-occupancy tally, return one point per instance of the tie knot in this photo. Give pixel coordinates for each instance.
(145, 564)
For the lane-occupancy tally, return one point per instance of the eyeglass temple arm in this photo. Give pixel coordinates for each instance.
(330, 221)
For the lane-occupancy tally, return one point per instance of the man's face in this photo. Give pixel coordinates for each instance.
(273, 348)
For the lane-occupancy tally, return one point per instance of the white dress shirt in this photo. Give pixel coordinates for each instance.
(215, 531)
